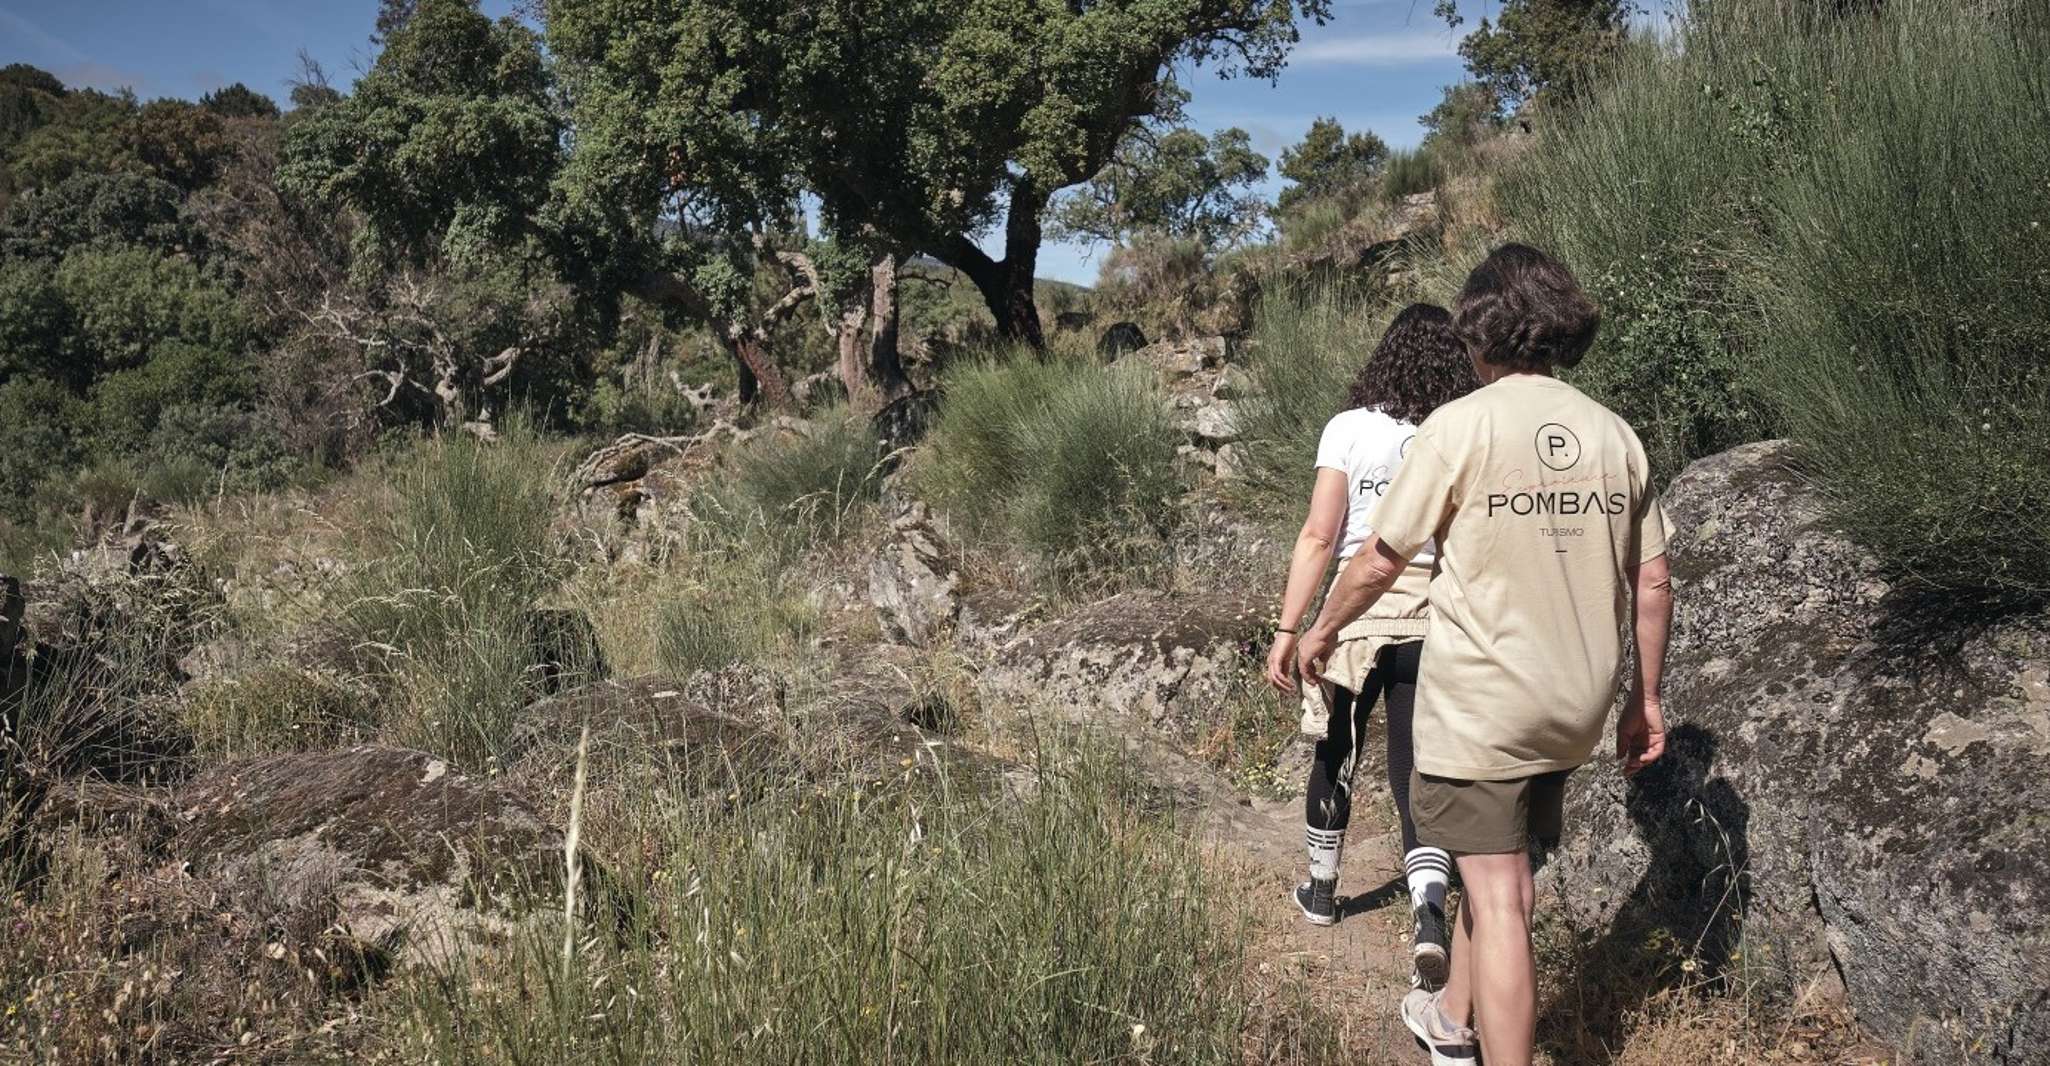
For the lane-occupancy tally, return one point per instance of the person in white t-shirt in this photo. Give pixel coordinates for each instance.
(1418, 366)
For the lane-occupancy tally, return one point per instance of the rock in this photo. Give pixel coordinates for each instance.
(914, 579)
(563, 649)
(1120, 338)
(1231, 460)
(1853, 786)
(1175, 360)
(415, 859)
(1216, 423)
(1162, 659)
(1232, 384)
(903, 421)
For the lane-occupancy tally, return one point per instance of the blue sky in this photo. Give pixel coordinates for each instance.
(1377, 65)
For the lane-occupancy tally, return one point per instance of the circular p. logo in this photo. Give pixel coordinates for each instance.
(1557, 446)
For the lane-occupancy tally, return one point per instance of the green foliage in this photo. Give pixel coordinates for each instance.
(1329, 161)
(128, 404)
(1410, 171)
(120, 208)
(461, 559)
(239, 101)
(1073, 464)
(81, 131)
(184, 144)
(1540, 48)
(1791, 224)
(917, 922)
(1174, 181)
(125, 302)
(1467, 115)
(447, 146)
(42, 428)
(734, 107)
(807, 484)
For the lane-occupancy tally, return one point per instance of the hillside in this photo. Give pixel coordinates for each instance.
(467, 600)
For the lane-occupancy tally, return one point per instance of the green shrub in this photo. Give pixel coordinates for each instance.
(1409, 171)
(42, 426)
(806, 485)
(1793, 225)
(459, 562)
(915, 923)
(1074, 464)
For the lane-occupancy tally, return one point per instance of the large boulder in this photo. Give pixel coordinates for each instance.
(914, 579)
(1853, 789)
(1168, 660)
(414, 860)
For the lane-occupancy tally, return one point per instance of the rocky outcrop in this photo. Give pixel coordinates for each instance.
(1166, 660)
(914, 579)
(413, 860)
(1853, 789)
(1120, 338)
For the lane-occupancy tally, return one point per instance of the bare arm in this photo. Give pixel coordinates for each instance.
(1371, 575)
(1641, 732)
(1314, 547)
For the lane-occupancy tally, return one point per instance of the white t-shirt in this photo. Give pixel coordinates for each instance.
(1367, 447)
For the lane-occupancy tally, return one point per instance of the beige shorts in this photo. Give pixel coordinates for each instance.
(1488, 817)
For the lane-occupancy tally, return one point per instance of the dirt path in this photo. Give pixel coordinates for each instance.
(1358, 970)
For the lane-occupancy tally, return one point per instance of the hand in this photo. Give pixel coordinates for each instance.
(1317, 645)
(1640, 732)
(1281, 662)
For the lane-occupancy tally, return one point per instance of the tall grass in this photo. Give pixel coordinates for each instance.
(1074, 464)
(1410, 171)
(460, 559)
(910, 923)
(1834, 227)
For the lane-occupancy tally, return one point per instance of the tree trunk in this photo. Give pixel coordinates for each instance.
(870, 365)
(760, 378)
(1006, 284)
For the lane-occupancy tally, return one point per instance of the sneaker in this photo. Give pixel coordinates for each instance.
(1318, 899)
(1429, 951)
(1449, 1045)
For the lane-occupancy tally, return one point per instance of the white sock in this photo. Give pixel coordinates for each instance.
(1428, 870)
(1326, 845)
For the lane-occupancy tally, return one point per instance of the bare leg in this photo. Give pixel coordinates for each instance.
(1496, 968)
(1457, 998)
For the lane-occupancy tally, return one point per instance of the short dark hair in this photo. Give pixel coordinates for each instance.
(1524, 310)
(1418, 366)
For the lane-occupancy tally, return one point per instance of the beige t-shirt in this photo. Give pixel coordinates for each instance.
(1539, 501)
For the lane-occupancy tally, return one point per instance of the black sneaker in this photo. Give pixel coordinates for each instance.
(1318, 899)
(1430, 952)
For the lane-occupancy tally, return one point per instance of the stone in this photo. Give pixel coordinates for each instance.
(1216, 423)
(1120, 338)
(914, 579)
(1166, 660)
(1233, 384)
(415, 860)
(1231, 461)
(1853, 790)
(1175, 360)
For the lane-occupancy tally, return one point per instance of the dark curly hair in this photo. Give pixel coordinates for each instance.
(1418, 366)
(1524, 310)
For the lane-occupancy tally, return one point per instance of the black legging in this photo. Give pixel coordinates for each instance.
(1329, 803)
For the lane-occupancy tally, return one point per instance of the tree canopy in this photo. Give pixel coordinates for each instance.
(965, 114)
(1329, 160)
(1171, 180)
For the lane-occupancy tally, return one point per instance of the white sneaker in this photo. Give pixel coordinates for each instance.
(1449, 1046)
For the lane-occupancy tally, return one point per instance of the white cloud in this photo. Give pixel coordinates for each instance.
(1377, 49)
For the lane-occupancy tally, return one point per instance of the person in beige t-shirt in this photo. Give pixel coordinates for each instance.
(1538, 500)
